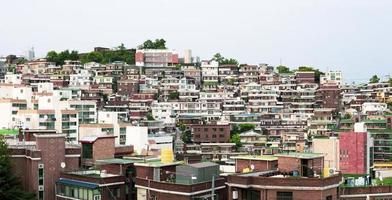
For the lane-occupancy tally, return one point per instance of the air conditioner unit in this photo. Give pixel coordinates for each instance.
(41, 188)
(40, 166)
(97, 197)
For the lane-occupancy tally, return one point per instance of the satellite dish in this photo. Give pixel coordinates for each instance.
(252, 167)
(62, 165)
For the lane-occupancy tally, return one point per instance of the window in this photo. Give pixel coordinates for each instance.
(87, 150)
(284, 195)
(40, 195)
(329, 197)
(41, 176)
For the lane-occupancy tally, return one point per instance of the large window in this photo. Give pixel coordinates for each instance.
(284, 195)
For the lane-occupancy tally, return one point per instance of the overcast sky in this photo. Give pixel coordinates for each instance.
(354, 36)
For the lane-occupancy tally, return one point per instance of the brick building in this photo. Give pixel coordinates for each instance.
(354, 151)
(127, 87)
(211, 133)
(328, 96)
(156, 57)
(39, 163)
(305, 77)
(255, 163)
(160, 181)
(288, 182)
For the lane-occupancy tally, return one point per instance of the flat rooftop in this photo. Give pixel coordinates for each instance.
(258, 157)
(300, 155)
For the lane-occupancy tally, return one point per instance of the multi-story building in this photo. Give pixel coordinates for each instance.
(155, 58)
(355, 148)
(80, 80)
(87, 110)
(329, 147)
(210, 75)
(39, 163)
(288, 182)
(334, 77)
(210, 133)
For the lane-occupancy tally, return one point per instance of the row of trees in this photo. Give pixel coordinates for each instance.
(120, 53)
(157, 44)
(60, 57)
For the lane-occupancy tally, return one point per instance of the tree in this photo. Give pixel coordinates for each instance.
(174, 95)
(246, 127)
(224, 61)
(186, 136)
(283, 69)
(10, 186)
(374, 79)
(218, 58)
(389, 104)
(390, 82)
(150, 117)
(120, 53)
(60, 57)
(157, 44)
(237, 140)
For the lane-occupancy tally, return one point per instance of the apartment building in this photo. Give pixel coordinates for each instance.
(155, 57)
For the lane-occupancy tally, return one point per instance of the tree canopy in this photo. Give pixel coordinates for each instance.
(237, 140)
(120, 53)
(283, 69)
(374, 79)
(157, 44)
(390, 82)
(10, 186)
(224, 61)
(59, 58)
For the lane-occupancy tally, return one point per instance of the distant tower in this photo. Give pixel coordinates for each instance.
(188, 56)
(31, 54)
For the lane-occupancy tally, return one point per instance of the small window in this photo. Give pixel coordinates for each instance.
(284, 195)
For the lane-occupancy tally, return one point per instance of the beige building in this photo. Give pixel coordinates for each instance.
(330, 148)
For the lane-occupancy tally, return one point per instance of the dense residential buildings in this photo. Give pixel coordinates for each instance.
(168, 127)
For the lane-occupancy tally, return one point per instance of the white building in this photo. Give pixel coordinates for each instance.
(80, 79)
(370, 107)
(13, 78)
(163, 111)
(333, 77)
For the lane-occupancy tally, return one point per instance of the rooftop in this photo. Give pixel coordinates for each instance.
(258, 157)
(300, 155)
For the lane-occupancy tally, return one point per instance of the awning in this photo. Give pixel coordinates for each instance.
(70, 182)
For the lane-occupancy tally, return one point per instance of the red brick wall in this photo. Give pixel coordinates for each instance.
(352, 152)
(289, 164)
(103, 148)
(139, 57)
(205, 133)
(303, 195)
(53, 154)
(259, 165)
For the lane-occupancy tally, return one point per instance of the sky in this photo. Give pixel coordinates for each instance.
(354, 36)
